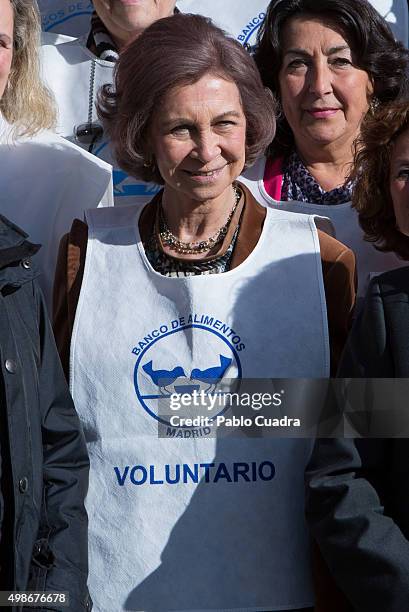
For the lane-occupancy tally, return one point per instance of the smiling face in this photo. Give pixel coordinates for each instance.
(198, 138)
(399, 181)
(6, 42)
(127, 19)
(323, 94)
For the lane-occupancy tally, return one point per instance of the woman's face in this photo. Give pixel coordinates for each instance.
(6, 42)
(399, 181)
(132, 16)
(323, 94)
(198, 137)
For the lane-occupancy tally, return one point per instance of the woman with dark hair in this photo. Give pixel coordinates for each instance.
(200, 285)
(358, 494)
(330, 64)
(382, 175)
(377, 345)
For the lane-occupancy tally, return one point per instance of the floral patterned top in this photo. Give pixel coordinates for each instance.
(300, 185)
(172, 266)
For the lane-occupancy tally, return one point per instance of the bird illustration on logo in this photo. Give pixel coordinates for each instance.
(212, 375)
(175, 380)
(163, 378)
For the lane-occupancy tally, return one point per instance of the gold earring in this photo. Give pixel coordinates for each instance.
(374, 105)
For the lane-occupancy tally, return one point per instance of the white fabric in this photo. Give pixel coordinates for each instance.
(66, 68)
(344, 219)
(239, 17)
(243, 18)
(45, 183)
(50, 38)
(212, 544)
(70, 17)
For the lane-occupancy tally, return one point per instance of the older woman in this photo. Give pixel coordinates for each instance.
(43, 460)
(330, 64)
(358, 503)
(201, 284)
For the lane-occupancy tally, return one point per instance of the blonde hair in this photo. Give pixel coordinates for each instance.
(27, 104)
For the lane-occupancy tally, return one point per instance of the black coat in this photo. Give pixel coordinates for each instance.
(358, 491)
(42, 442)
(378, 346)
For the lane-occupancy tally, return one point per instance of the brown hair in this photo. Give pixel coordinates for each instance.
(177, 51)
(383, 58)
(371, 196)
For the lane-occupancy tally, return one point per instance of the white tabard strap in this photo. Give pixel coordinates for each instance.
(344, 218)
(187, 522)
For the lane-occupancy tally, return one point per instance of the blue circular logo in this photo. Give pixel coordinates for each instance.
(192, 359)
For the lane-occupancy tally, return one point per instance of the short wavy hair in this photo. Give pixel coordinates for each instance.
(26, 103)
(172, 52)
(385, 59)
(371, 196)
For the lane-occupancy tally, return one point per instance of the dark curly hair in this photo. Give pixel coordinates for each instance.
(385, 59)
(176, 51)
(371, 197)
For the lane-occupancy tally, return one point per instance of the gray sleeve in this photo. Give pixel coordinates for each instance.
(365, 550)
(367, 352)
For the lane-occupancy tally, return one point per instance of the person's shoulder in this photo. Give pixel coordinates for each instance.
(339, 276)
(72, 252)
(112, 216)
(333, 251)
(10, 233)
(391, 283)
(78, 234)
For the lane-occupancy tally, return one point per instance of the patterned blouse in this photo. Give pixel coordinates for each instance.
(172, 266)
(300, 185)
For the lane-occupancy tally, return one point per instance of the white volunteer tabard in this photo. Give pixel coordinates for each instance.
(74, 75)
(239, 17)
(45, 183)
(345, 222)
(71, 17)
(187, 522)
